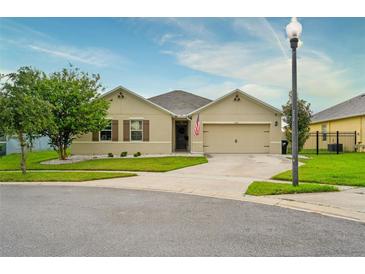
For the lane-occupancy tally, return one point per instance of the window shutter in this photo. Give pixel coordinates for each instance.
(146, 130)
(126, 130)
(95, 137)
(115, 130)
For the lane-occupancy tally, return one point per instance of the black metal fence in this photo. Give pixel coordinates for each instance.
(330, 142)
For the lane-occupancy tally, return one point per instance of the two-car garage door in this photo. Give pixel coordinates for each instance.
(236, 138)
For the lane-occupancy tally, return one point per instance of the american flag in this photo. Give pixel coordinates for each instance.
(197, 126)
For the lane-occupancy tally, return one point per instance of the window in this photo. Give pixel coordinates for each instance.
(324, 132)
(136, 130)
(106, 133)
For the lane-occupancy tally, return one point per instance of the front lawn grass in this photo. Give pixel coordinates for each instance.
(153, 164)
(12, 161)
(267, 188)
(17, 176)
(342, 169)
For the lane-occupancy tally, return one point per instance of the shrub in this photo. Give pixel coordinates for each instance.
(123, 154)
(110, 155)
(137, 154)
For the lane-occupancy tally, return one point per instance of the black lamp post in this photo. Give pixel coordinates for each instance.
(294, 30)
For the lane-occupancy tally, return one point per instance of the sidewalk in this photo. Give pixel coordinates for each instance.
(348, 203)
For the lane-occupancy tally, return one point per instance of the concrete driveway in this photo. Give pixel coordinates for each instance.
(262, 166)
(224, 176)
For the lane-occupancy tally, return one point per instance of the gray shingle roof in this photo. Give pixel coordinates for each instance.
(353, 107)
(179, 102)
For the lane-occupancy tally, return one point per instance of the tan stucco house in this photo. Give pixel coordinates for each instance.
(234, 123)
(348, 116)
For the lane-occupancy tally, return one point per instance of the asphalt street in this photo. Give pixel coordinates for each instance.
(87, 221)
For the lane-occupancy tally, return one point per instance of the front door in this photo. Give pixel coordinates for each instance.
(181, 133)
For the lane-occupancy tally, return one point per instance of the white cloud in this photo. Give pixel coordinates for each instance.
(35, 40)
(219, 59)
(22, 30)
(205, 87)
(173, 28)
(166, 38)
(265, 93)
(214, 90)
(91, 56)
(191, 27)
(262, 65)
(261, 29)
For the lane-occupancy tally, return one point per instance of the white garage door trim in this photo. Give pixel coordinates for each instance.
(237, 123)
(236, 138)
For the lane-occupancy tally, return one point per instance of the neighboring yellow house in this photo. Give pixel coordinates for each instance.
(234, 123)
(348, 116)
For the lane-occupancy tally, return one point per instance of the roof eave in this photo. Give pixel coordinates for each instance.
(138, 96)
(337, 118)
(243, 93)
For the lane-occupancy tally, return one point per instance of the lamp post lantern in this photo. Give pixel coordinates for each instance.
(294, 30)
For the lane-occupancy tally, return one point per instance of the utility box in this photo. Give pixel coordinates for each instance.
(333, 147)
(284, 146)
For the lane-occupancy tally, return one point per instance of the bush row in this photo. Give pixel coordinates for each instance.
(124, 154)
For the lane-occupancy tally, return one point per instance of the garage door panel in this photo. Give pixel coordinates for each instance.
(226, 138)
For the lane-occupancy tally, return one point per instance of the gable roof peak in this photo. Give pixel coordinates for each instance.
(179, 101)
(237, 90)
(178, 91)
(120, 87)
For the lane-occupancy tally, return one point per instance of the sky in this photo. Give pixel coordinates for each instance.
(206, 56)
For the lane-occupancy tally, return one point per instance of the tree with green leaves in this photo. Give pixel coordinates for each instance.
(77, 107)
(23, 112)
(304, 119)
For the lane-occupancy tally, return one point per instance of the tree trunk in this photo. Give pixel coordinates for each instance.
(65, 151)
(64, 154)
(22, 149)
(59, 149)
(62, 151)
(59, 153)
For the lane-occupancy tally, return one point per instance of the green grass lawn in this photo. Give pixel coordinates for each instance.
(342, 169)
(17, 176)
(268, 188)
(12, 161)
(157, 164)
(313, 151)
